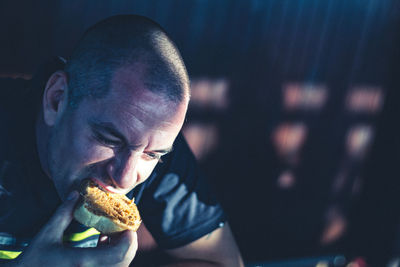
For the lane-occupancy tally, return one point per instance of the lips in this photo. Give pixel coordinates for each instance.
(106, 187)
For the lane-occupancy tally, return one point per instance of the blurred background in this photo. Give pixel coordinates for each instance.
(293, 115)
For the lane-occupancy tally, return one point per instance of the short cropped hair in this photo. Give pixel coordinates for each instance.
(125, 41)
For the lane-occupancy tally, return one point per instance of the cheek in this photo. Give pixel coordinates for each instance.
(80, 146)
(145, 169)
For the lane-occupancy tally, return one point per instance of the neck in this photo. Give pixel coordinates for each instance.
(42, 136)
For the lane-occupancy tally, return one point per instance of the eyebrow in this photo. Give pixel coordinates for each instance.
(110, 128)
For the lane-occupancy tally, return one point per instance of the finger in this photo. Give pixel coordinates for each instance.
(126, 243)
(133, 239)
(60, 220)
(104, 240)
(115, 238)
(122, 251)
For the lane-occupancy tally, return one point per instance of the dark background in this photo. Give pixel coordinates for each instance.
(294, 111)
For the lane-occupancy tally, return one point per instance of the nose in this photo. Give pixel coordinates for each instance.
(122, 170)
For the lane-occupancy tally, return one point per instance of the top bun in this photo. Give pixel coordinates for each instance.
(107, 212)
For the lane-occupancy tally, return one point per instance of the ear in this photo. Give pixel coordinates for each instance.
(55, 97)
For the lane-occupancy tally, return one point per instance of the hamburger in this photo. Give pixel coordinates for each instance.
(105, 211)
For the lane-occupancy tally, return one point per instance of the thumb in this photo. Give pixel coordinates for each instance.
(55, 227)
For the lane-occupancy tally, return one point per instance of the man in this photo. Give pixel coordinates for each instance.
(113, 114)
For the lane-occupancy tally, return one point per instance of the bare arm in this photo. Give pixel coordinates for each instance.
(217, 248)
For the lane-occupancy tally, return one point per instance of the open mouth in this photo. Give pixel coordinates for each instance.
(105, 187)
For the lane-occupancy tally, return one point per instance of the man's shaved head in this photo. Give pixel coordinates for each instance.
(131, 42)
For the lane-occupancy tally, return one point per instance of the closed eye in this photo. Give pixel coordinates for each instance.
(106, 134)
(152, 156)
(107, 141)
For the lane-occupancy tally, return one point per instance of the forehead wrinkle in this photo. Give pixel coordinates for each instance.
(151, 107)
(131, 79)
(136, 123)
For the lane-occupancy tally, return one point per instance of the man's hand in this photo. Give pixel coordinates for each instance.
(47, 248)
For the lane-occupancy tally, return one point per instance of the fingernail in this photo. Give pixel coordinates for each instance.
(73, 195)
(103, 238)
